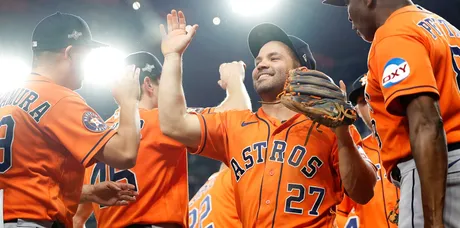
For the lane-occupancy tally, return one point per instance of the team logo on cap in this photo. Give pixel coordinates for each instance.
(148, 68)
(396, 70)
(74, 35)
(94, 122)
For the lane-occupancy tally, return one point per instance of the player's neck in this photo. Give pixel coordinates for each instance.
(145, 103)
(48, 73)
(386, 8)
(278, 111)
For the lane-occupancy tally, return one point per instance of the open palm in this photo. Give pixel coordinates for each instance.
(176, 39)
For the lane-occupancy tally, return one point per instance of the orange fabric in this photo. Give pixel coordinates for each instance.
(415, 51)
(214, 203)
(160, 176)
(301, 184)
(50, 134)
(376, 211)
(345, 212)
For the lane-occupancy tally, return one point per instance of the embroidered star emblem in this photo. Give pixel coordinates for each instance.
(148, 68)
(74, 35)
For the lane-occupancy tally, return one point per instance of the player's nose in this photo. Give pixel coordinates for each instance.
(262, 65)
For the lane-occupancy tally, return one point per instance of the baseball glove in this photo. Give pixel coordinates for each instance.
(315, 95)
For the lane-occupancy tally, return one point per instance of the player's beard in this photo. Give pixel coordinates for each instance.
(269, 88)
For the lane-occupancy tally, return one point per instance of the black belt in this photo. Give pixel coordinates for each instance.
(56, 224)
(396, 173)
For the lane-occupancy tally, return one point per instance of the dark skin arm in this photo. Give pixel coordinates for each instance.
(428, 145)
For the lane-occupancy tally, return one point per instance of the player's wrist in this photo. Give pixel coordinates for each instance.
(86, 193)
(129, 104)
(172, 56)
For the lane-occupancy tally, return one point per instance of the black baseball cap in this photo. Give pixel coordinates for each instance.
(60, 30)
(264, 33)
(357, 88)
(148, 64)
(335, 2)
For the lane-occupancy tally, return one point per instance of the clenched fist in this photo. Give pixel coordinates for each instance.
(230, 73)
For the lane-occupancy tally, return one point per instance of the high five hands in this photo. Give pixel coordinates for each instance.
(176, 39)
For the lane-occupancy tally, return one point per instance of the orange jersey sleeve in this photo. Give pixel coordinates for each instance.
(214, 204)
(47, 134)
(214, 134)
(83, 132)
(402, 67)
(160, 178)
(415, 51)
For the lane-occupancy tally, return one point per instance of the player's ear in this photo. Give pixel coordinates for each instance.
(370, 3)
(68, 52)
(148, 84)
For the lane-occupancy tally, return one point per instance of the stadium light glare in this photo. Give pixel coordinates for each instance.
(252, 7)
(136, 5)
(13, 71)
(103, 65)
(216, 21)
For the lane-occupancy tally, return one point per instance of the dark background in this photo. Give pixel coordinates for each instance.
(337, 49)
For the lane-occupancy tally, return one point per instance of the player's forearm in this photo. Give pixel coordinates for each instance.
(81, 216)
(428, 144)
(86, 192)
(121, 150)
(171, 104)
(237, 97)
(358, 175)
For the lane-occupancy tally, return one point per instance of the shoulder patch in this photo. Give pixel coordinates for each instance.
(396, 70)
(93, 122)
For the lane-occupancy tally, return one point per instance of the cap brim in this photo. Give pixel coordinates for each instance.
(353, 96)
(264, 33)
(340, 3)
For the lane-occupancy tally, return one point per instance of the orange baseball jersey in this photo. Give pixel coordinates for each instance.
(279, 180)
(214, 204)
(160, 177)
(375, 213)
(415, 51)
(48, 134)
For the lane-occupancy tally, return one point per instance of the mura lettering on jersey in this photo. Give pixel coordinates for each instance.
(24, 98)
(438, 27)
(253, 155)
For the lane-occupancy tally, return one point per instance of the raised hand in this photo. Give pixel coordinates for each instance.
(176, 39)
(229, 72)
(126, 88)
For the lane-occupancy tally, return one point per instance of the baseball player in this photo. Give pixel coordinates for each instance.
(48, 133)
(214, 204)
(160, 175)
(281, 178)
(414, 98)
(377, 211)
